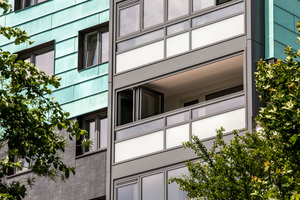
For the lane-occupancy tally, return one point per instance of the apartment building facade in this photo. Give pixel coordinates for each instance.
(142, 76)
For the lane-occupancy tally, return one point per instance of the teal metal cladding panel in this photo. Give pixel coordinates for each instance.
(80, 91)
(281, 27)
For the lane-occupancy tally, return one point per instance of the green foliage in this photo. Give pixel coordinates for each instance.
(260, 165)
(30, 119)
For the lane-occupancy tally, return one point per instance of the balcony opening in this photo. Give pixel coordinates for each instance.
(186, 89)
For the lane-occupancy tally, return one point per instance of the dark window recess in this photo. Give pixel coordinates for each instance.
(189, 103)
(222, 1)
(138, 103)
(224, 92)
(21, 4)
(42, 56)
(125, 107)
(96, 126)
(93, 45)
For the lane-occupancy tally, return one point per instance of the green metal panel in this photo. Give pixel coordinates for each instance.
(65, 63)
(87, 104)
(64, 95)
(281, 19)
(76, 12)
(80, 91)
(64, 48)
(91, 87)
(269, 29)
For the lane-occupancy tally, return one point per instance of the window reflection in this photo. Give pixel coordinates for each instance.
(201, 4)
(174, 193)
(153, 12)
(45, 62)
(129, 20)
(152, 187)
(177, 8)
(128, 192)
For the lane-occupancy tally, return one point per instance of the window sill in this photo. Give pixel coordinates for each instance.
(86, 68)
(19, 174)
(90, 153)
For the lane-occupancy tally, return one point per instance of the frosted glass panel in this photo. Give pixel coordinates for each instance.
(139, 146)
(140, 56)
(229, 121)
(177, 135)
(177, 44)
(218, 31)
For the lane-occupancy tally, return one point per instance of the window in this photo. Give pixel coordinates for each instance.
(152, 187)
(93, 46)
(96, 126)
(21, 4)
(138, 15)
(138, 103)
(42, 56)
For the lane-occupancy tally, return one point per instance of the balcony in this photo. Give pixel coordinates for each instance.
(170, 130)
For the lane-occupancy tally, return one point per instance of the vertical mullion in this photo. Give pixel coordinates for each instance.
(99, 44)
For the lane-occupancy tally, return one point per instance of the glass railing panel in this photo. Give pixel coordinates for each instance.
(139, 146)
(140, 129)
(181, 117)
(218, 107)
(176, 135)
(219, 14)
(140, 40)
(218, 31)
(178, 44)
(178, 27)
(140, 56)
(233, 120)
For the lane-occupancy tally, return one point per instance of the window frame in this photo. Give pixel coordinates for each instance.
(100, 29)
(84, 124)
(18, 5)
(32, 52)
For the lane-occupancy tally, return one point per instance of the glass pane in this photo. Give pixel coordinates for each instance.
(91, 57)
(152, 187)
(177, 135)
(222, 1)
(139, 146)
(103, 133)
(178, 27)
(219, 14)
(128, 192)
(211, 33)
(45, 62)
(29, 3)
(233, 120)
(174, 193)
(92, 135)
(140, 40)
(140, 129)
(40, 1)
(104, 47)
(125, 107)
(201, 4)
(151, 103)
(181, 117)
(218, 107)
(177, 8)
(153, 12)
(178, 44)
(140, 56)
(129, 20)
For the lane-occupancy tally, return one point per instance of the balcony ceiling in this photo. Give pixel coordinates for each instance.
(203, 76)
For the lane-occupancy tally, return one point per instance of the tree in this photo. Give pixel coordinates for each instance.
(260, 165)
(30, 119)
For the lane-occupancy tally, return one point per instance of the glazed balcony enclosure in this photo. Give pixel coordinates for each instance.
(161, 114)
